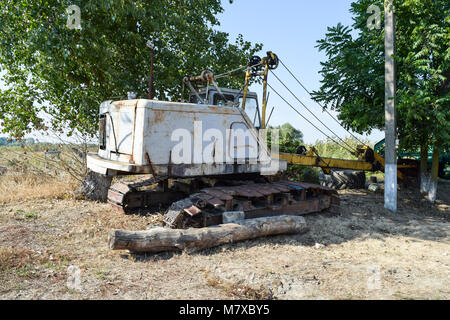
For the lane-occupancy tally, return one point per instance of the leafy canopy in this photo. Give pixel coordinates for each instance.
(353, 75)
(290, 138)
(66, 73)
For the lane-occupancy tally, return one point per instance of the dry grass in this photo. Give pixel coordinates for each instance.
(43, 232)
(14, 258)
(15, 187)
(237, 291)
(18, 263)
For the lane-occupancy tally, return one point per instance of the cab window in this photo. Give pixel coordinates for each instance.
(193, 98)
(251, 109)
(220, 101)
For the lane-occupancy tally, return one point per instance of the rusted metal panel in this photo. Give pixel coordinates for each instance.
(281, 187)
(137, 128)
(210, 199)
(228, 190)
(165, 120)
(218, 193)
(114, 196)
(121, 187)
(271, 189)
(216, 202)
(192, 211)
(247, 191)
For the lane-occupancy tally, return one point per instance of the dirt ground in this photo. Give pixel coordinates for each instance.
(364, 252)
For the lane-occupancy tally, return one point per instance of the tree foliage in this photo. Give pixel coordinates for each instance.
(328, 148)
(353, 75)
(290, 138)
(68, 72)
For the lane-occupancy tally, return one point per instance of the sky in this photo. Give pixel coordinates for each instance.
(289, 28)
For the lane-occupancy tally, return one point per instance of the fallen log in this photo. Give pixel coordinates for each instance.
(165, 239)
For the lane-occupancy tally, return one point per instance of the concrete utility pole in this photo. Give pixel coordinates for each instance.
(390, 153)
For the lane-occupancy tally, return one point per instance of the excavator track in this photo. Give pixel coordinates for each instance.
(250, 200)
(127, 196)
(191, 205)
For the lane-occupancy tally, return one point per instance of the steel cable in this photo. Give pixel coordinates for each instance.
(304, 88)
(312, 113)
(293, 108)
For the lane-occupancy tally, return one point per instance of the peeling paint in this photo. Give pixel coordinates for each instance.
(146, 126)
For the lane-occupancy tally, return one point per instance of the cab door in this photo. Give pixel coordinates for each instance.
(121, 128)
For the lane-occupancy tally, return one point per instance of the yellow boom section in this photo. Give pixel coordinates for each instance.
(312, 160)
(326, 163)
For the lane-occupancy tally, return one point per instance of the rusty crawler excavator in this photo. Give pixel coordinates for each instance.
(208, 156)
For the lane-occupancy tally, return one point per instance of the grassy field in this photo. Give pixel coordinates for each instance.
(365, 252)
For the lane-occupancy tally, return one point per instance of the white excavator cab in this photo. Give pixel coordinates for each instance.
(176, 139)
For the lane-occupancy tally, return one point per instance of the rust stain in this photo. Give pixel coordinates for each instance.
(221, 110)
(159, 116)
(209, 110)
(124, 103)
(192, 210)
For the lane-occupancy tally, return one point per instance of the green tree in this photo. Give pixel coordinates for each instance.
(290, 138)
(66, 72)
(328, 148)
(353, 75)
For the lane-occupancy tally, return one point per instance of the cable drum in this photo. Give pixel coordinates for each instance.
(272, 60)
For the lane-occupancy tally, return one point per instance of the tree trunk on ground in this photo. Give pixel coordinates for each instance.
(432, 188)
(165, 239)
(424, 176)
